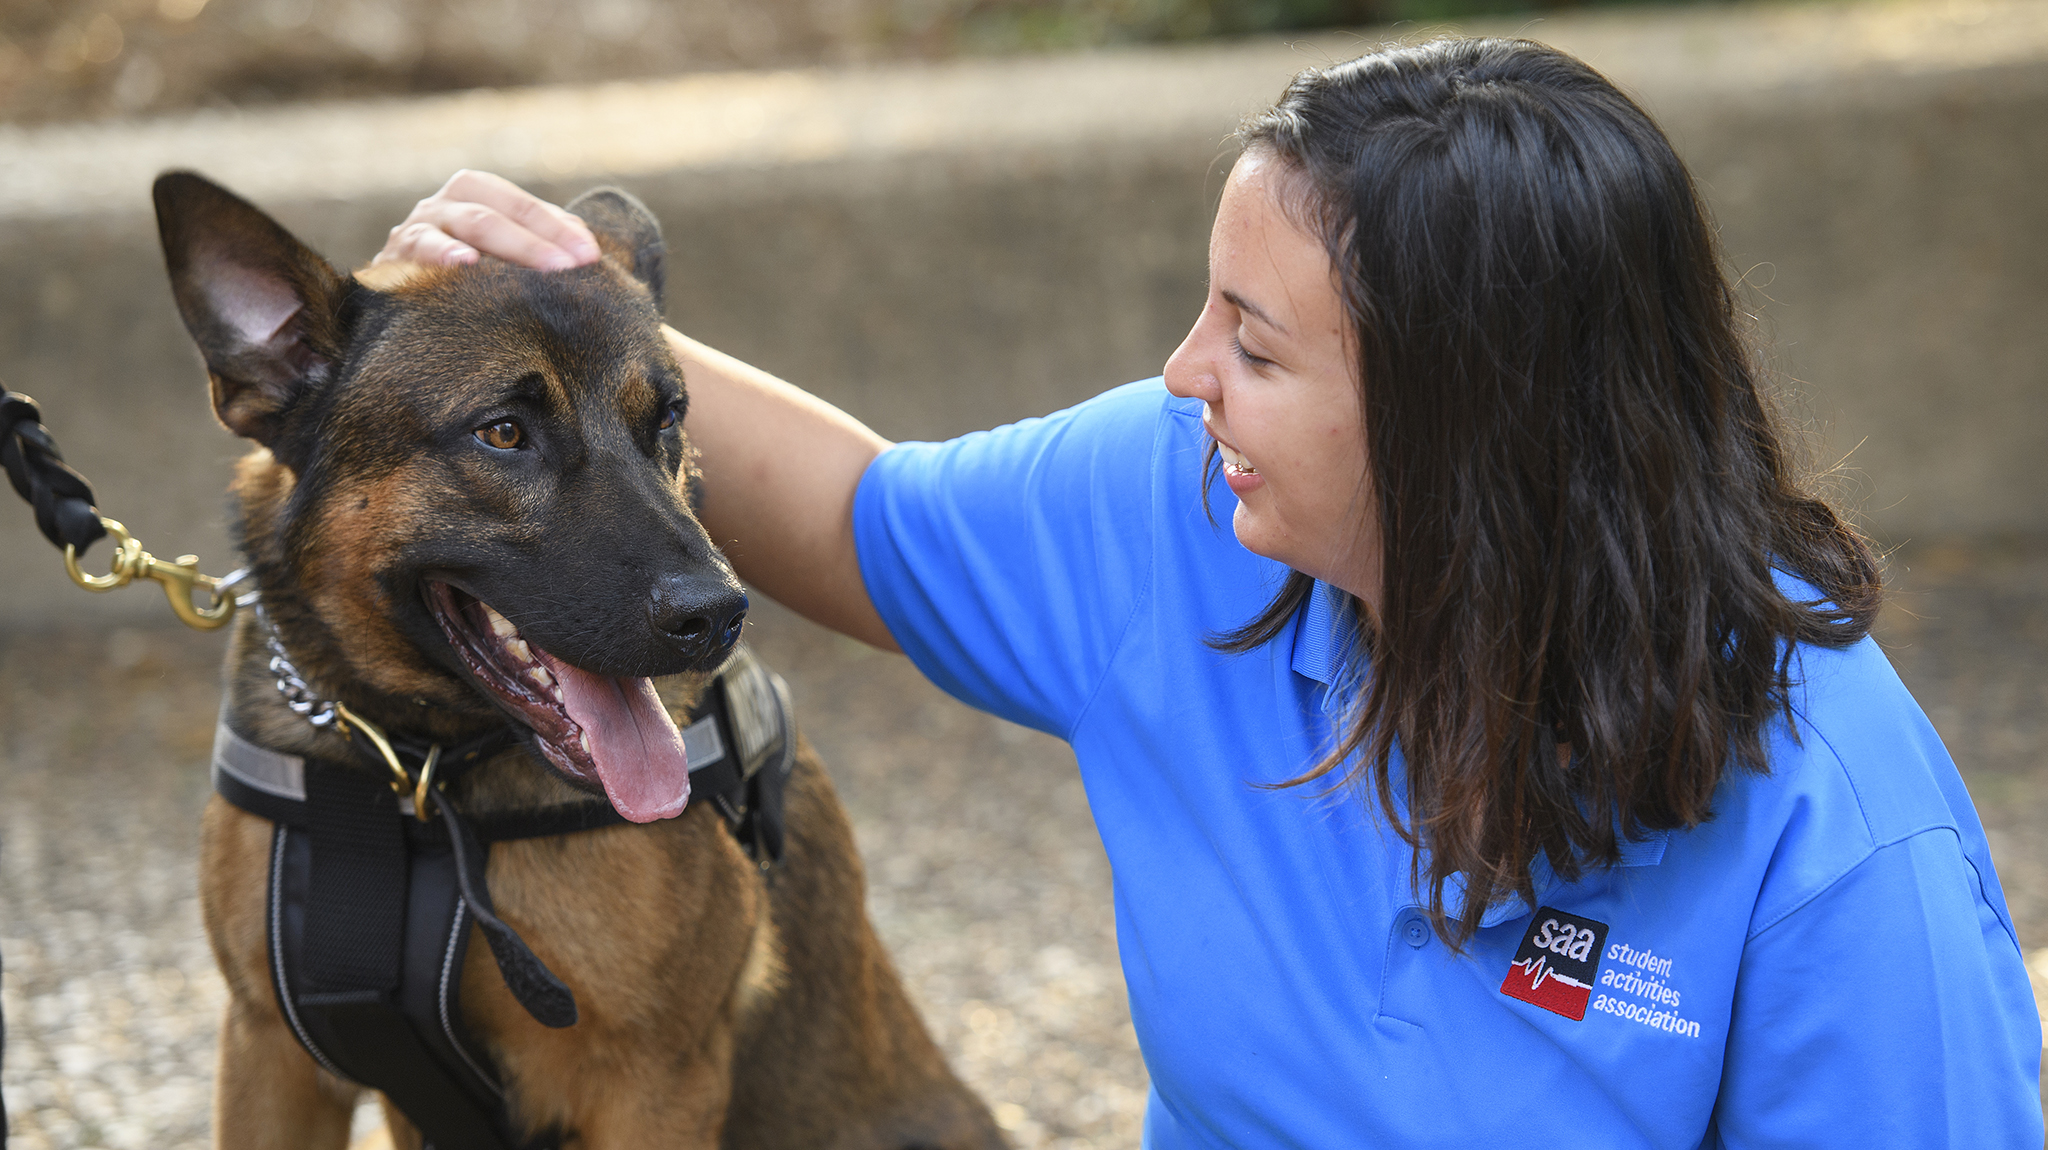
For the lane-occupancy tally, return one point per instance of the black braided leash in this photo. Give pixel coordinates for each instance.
(64, 511)
(61, 497)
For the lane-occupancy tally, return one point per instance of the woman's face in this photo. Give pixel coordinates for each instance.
(1273, 361)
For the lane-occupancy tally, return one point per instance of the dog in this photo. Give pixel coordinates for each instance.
(469, 509)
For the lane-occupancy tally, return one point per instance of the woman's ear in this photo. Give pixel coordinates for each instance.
(261, 305)
(627, 232)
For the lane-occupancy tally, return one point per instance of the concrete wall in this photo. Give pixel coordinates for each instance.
(944, 248)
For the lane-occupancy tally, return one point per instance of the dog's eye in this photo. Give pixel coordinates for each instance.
(668, 417)
(503, 435)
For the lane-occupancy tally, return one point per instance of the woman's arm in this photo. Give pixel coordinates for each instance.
(780, 465)
(780, 468)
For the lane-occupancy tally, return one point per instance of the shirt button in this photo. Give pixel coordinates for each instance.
(1416, 931)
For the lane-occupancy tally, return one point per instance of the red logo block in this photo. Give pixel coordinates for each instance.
(1557, 964)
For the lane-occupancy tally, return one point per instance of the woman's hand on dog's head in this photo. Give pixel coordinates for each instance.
(477, 212)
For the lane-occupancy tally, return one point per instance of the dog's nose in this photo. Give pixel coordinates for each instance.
(700, 616)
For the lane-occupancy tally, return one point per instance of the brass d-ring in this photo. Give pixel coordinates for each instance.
(401, 780)
(419, 794)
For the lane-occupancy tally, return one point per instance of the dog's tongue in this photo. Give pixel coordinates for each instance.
(634, 745)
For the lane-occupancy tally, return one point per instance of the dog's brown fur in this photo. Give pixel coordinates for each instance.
(719, 1005)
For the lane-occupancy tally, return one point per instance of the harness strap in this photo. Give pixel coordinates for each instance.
(394, 1038)
(359, 870)
(744, 769)
(529, 979)
(272, 784)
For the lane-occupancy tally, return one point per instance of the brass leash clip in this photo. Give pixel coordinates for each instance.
(181, 578)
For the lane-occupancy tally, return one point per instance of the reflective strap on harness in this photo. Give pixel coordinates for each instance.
(371, 908)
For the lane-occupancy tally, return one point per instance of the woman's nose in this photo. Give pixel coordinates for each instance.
(1191, 374)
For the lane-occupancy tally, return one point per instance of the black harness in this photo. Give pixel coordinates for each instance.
(370, 905)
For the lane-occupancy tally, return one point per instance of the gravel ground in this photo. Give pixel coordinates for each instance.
(985, 876)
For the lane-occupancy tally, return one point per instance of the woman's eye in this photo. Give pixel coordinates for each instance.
(503, 435)
(1248, 357)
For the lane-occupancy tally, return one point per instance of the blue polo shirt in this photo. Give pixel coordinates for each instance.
(1827, 962)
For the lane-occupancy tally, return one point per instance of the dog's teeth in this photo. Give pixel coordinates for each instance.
(540, 675)
(500, 626)
(583, 738)
(520, 650)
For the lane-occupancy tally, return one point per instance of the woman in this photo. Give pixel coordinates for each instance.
(1517, 765)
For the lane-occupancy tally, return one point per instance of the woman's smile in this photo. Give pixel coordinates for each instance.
(1238, 471)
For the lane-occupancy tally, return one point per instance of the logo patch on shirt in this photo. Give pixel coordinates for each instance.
(1558, 963)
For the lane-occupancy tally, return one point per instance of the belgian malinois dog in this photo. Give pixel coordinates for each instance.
(469, 506)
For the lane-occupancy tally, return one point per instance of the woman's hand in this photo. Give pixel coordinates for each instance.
(477, 212)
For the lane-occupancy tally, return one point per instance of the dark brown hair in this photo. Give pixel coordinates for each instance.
(1582, 492)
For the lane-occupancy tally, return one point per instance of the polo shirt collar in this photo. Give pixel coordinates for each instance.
(1322, 645)
(1323, 640)
(1550, 888)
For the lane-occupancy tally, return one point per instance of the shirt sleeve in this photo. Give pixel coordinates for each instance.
(1892, 1009)
(1007, 563)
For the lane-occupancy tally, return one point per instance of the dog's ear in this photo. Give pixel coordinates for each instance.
(627, 232)
(260, 304)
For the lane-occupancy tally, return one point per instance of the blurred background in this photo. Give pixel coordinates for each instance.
(941, 215)
(64, 59)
